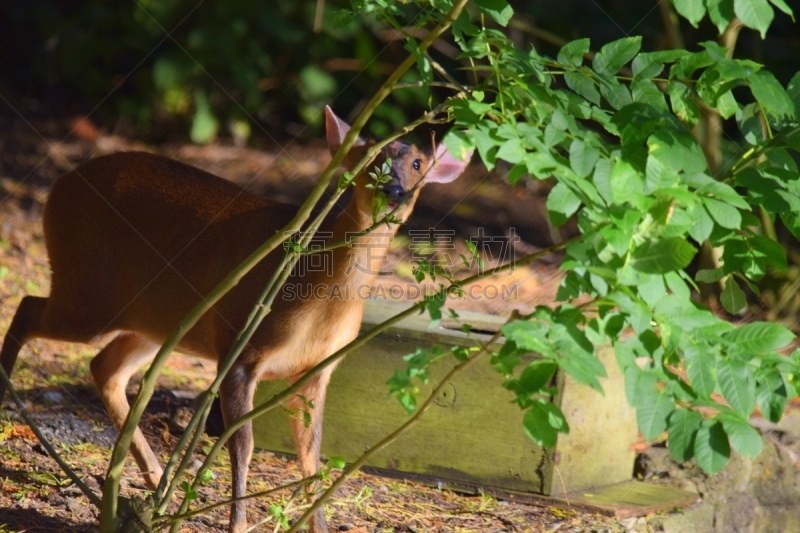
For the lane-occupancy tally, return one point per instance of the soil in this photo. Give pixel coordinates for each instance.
(53, 381)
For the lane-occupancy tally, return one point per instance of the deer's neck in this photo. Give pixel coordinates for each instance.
(358, 264)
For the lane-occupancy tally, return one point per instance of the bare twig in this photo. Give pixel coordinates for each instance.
(358, 463)
(46, 444)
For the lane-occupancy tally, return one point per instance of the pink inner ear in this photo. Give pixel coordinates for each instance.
(446, 168)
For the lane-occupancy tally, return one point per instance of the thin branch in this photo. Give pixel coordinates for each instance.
(299, 483)
(443, 73)
(528, 27)
(358, 463)
(260, 310)
(361, 341)
(417, 84)
(318, 16)
(275, 283)
(672, 27)
(46, 443)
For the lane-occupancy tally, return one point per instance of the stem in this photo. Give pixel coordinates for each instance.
(756, 152)
(260, 310)
(361, 341)
(108, 511)
(112, 482)
(319, 502)
(443, 73)
(46, 444)
(415, 84)
(167, 518)
(195, 429)
(672, 26)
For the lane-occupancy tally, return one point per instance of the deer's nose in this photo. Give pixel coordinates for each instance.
(394, 191)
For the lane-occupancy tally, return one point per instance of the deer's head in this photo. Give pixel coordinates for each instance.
(404, 167)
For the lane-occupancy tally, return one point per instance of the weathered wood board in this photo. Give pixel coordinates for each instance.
(633, 498)
(474, 433)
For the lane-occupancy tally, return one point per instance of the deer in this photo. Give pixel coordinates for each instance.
(135, 240)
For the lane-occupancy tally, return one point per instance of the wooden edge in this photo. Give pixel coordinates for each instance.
(621, 500)
(633, 498)
(461, 487)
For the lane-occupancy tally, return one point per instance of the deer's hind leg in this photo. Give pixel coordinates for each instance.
(26, 325)
(112, 368)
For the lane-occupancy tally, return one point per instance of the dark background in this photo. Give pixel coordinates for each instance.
(156, 68)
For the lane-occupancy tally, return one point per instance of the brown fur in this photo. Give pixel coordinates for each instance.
(135, 240)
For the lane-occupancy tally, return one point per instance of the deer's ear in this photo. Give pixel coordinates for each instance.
(447, 167)
(335, 130)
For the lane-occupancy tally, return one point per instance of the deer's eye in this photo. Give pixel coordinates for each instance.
(416, 164)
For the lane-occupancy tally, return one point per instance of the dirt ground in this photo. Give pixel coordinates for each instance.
(53, 380)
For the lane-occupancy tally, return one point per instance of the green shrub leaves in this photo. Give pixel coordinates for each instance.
(626, 166)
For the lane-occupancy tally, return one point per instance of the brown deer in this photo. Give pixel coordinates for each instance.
(135, 240)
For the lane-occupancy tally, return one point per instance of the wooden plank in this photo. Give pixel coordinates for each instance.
(633, 498)
(473, 435)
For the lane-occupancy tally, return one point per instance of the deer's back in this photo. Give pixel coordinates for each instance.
(135, 240)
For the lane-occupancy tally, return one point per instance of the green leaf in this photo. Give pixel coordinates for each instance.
(662, 256)
(459, 143)
(206, 475)
(711, 447)
(646, 91)
(512, 151)
(571, 54)
(683, 426)
(652, 289)
(691, 10)
(720, 12)
(625, 182)
(793, 89)
(677, 151)
(760, 337)
(781, 4)
(700, 365)
(337, 463)
(497, 10)
(772, 252)
(582, 367)
(733, 298)
(771, 394)
(683, 105)
(736, 385)
(703, 224)
(602, 179)
(536, 376)
(754, 14)
(615, 54)
(771, 95)
(317, 84)
(562, 204)
(583, 85)
(204, 124)
(743, 437)
(616, 93)
(724, 214)
(652, 412)
(527, 335)
(538, 427)
(710, 275)
(582, 158)
(486, 141)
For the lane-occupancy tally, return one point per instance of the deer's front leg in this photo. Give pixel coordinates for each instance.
(236, 399)
(308, 436)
